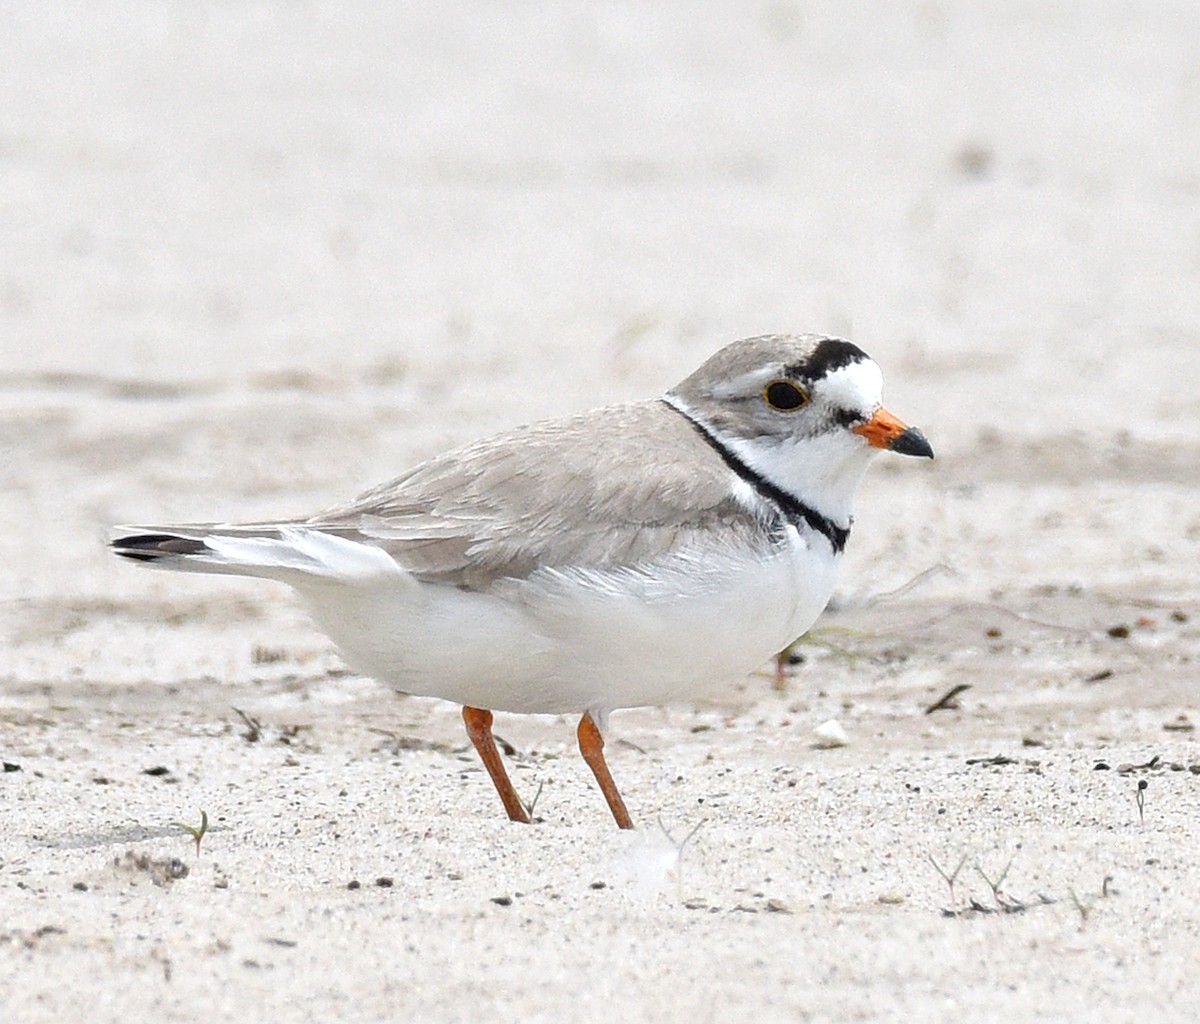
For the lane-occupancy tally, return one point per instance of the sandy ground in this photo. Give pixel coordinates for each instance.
(255, 258)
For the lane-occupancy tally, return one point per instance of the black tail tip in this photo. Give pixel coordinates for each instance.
(149, 547)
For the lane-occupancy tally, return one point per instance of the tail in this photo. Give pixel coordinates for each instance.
(159, 547)
(291, 553)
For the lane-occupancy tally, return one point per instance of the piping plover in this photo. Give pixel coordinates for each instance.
(634, 555)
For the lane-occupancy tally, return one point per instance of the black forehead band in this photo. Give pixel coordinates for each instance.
(831, 354)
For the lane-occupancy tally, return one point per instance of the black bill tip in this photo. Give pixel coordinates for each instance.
(911, 442)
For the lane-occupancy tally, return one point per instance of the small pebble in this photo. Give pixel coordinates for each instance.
(830, 735)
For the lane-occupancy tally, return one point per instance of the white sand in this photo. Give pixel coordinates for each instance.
(253, 259)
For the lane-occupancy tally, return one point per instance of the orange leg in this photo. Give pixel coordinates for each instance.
(591, 746)
(479, 728)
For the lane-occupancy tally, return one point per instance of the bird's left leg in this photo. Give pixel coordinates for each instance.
(591, 746)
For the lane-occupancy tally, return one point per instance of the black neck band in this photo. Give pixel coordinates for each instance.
(788, 505)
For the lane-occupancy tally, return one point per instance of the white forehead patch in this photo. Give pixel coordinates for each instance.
(857, 385)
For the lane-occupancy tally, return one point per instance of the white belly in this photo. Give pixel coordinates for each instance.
(581, 640)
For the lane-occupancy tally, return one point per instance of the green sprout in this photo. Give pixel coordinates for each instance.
(196, 833)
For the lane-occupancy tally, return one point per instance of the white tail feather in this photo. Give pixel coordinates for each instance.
(296, 553)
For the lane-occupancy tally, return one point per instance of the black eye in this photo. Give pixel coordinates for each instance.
(784, 395)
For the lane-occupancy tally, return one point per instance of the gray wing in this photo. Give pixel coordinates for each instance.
(617, 486)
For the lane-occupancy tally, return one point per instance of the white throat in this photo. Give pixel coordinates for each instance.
(823, 472)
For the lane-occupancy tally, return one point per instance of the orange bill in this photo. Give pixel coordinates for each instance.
(884, 430)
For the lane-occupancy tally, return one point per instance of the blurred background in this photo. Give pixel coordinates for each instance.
(196, 189)
(256, 257)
